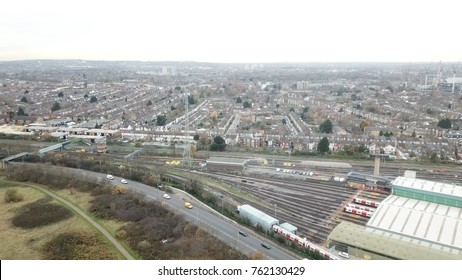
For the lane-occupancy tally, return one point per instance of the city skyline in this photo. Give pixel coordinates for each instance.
(232, 31)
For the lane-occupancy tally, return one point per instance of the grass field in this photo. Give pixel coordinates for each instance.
(26, 244)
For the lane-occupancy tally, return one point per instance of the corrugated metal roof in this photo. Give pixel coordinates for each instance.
(258, 214)
(435, 223)
(289, 227)
(430, 186)
(389, 244)
(224, 160)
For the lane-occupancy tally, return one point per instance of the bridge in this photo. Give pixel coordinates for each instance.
(59, 146)
(10, 158)
(131, 155)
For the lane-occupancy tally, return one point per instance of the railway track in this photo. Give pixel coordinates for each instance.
(314, 206)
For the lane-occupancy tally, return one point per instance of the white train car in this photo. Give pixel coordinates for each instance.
(358, 212)
(366, 202)
(360, 207)
(304, 243)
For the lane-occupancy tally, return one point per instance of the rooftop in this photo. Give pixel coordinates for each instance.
(430, 186)
(258, 214)
(437, 224)
(390, 244)
(224, 160)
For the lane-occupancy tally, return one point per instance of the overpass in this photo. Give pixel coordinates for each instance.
(59, 146)
(40, 152)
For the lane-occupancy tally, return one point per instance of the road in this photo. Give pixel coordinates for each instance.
(219, 226)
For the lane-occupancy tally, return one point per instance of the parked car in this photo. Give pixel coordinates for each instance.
(109, 177)
(123, 181)
(344, 255)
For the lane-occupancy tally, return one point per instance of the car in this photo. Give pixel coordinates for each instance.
(266, 245)
(188, 205)
(123, 181)
(166, 196)
(109, 177)
(344, 255)
(243, 233)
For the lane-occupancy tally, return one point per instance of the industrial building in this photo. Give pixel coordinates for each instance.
(289, 227)
(421, 220)
(257, 217)
(225, 164)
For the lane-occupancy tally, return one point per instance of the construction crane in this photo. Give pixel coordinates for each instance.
(427, 67)
(406, 76)
(436, 81)
(454, 70)
(426, 75)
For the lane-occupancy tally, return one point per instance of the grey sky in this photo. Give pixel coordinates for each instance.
(232, 31)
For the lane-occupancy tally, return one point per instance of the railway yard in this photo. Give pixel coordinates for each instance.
(315, 204)
(304, 195)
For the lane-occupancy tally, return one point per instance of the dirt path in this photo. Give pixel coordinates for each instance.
(116, 243)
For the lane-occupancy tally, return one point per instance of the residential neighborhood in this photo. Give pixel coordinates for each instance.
(388, 108)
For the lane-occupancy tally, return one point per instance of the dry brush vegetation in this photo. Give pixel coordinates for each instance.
(29, 226)
(148, 228)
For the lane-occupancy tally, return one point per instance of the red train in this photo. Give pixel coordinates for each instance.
(358, 212)
(366, 202)
(360, 207)
(305, 243)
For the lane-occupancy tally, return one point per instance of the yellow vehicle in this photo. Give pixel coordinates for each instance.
(187, 205)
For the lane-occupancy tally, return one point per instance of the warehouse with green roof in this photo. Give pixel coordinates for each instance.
(420, 220)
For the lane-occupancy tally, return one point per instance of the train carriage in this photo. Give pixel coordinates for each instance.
(360, 207)
(359, 212)
(366, 202)
(370, 182)
(304, 243)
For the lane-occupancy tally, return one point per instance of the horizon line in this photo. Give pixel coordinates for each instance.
(214, 62)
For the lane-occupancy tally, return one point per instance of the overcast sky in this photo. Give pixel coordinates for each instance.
(232, 30)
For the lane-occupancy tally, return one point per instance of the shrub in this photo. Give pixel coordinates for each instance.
(40, 213)
(144, 245)
(121, 234)
(257, 256)
(119, 190)
(12, 195)
(77, 246)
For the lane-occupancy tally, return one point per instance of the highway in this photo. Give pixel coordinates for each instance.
(214, 223)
